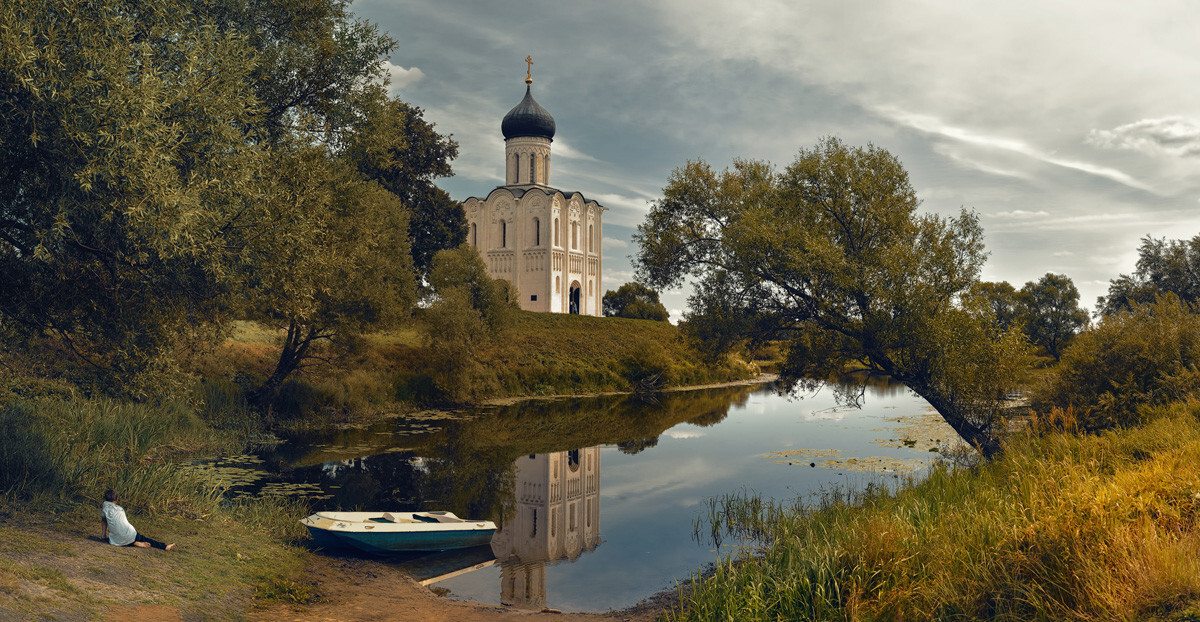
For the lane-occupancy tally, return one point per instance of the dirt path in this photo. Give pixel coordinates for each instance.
(362, 590)
(64, 573)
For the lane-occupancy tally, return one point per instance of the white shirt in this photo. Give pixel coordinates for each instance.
(120, 532)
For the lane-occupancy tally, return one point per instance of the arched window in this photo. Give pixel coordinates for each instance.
(503, 234)
(574, 236)
(516, 176)
(474, 237)
(537, 232)
(590, 247)
(556, 232)
(531, 167)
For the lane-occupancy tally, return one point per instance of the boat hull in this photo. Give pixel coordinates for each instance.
(365, 532)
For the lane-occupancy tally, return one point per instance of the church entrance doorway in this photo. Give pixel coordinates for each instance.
(573, 298)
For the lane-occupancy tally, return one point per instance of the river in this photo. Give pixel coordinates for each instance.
(598, 498)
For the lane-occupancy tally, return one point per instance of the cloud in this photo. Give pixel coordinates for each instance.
(1020, 214)
(401, 77)
(933, 125)
(614, 243)
(1175, 136)
(562, 149)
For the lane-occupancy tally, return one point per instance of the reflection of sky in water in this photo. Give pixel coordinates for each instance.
(649, 500)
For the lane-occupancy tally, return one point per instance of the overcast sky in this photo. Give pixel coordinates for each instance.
(1071, 128)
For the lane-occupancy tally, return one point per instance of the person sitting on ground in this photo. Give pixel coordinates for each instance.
(117, 528)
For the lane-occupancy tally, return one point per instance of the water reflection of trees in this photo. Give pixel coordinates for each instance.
(467, 466)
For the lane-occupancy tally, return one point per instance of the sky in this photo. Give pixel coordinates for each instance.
(1071, 128)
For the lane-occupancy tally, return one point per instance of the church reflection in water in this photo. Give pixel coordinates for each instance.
(557, 517)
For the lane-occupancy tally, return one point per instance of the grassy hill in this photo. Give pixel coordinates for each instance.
(537, 354)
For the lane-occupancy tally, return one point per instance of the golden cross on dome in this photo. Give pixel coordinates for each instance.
(529, 70)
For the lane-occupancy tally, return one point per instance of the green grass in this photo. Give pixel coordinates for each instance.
(538, 354)
(1062, 527)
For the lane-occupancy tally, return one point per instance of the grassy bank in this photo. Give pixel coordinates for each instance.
(1063, 527)
(58, 455)
(537, 354)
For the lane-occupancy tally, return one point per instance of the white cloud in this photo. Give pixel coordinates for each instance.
(562, 149)
(1020, 214)
(401, 77)
(614, 243)
(1175, 136)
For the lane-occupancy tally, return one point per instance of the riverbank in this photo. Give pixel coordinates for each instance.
(1061, 527)
(58, 570)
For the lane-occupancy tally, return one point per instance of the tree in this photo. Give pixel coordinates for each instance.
(1163, 266)
(469, 310)
(1148, 354)
(123, 165)
(1050, 313)
(399, 149)
(636, 301)
(831, 253)
(1001, 298)
(335, 266)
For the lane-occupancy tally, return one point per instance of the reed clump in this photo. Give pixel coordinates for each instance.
(1062, 527)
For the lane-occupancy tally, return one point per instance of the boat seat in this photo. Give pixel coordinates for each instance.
(389, 517)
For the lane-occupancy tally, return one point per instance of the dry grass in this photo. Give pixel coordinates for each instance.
(1063, 527)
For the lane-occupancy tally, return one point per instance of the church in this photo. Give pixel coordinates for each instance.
(544, 242)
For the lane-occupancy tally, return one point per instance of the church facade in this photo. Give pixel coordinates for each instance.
(544, 242)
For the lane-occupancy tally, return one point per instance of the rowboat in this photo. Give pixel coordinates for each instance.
(390, 532)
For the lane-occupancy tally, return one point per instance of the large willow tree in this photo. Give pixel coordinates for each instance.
(831, 255)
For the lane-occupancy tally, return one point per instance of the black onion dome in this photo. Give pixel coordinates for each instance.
(528, 118)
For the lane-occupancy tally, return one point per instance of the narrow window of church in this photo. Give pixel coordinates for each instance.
(574, 236)
(503, 234)
(557, 284)
(474, 240)
(556, 232)
(516, 178)
(533, 529)
(531, 167)
(537, 232)
(590, 234)
(546, 169)
(533, 298)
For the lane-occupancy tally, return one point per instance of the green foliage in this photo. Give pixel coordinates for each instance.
(1049, 311)
(1061, 527)
(648, 368)
(337, 266)
(1001, 298)
(470, 311)
(123, 160)
(397, 148)
(1163, 266)
(1146, 355)
(832, 255)
(634, 301)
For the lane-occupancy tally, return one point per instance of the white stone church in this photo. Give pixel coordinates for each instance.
(543, 241)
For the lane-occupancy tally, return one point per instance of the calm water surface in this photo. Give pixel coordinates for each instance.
(597, 498)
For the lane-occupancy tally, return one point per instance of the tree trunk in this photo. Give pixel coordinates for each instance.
(981, 438)
(295, 347)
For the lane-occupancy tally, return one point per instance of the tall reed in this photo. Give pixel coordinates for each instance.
(1062, 527)
(74, 449)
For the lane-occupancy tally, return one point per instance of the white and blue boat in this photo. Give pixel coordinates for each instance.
(393, 532)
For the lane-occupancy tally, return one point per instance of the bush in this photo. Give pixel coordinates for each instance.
(1146, 355)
